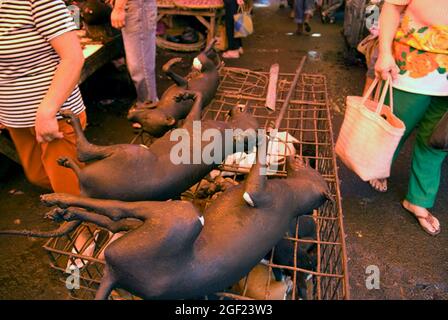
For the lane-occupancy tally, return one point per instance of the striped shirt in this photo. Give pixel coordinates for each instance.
(27, 60)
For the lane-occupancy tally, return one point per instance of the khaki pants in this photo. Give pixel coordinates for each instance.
(39, 160)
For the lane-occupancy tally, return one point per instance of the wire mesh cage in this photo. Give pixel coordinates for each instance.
(82, 252)
(307, 122)
(316, 264)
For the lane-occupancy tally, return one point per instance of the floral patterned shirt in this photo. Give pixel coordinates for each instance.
(421, 53)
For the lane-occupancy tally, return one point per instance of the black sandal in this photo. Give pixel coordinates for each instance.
(307, 27)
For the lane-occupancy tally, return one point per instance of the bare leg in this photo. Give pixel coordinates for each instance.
(73, 213)
(86, 150)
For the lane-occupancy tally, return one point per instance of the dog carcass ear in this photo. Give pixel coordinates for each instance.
(170, 121)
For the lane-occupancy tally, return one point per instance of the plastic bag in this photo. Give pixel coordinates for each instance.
(243, 25)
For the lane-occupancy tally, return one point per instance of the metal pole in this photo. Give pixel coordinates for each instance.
(290, 92)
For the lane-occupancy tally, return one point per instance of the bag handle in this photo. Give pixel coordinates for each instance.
(387, 88)
(383, 96)
(243, 8)
(376, 97)
(391, 95)
(369, 91)
(375, 84)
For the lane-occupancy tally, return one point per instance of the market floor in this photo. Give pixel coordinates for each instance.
(412, 264)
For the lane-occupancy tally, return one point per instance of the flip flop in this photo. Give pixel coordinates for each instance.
(429, 219)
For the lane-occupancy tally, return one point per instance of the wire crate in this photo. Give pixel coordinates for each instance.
(308, 124)
(308, 121)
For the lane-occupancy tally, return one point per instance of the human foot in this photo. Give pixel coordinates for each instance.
(427, 221)
(379, 185)
(231, 54)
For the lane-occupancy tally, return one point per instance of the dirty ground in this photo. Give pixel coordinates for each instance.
(413, 265)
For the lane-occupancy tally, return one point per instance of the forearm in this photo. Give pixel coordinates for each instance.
(64, 82)
(389, 22)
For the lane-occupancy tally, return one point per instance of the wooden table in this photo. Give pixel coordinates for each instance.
(207, 16)
(97, 55)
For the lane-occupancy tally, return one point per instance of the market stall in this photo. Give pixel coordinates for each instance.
(207, 12)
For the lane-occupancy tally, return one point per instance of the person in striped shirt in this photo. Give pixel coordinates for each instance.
(40, 65)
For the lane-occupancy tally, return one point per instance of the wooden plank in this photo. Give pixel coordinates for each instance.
(271, 97)
(211, 31)
(182, 12)
(203, 21)
(285, 105)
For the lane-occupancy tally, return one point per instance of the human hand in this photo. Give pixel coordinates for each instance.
(46, 127)
(385, 66)
(240, 2)
(117, 18)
